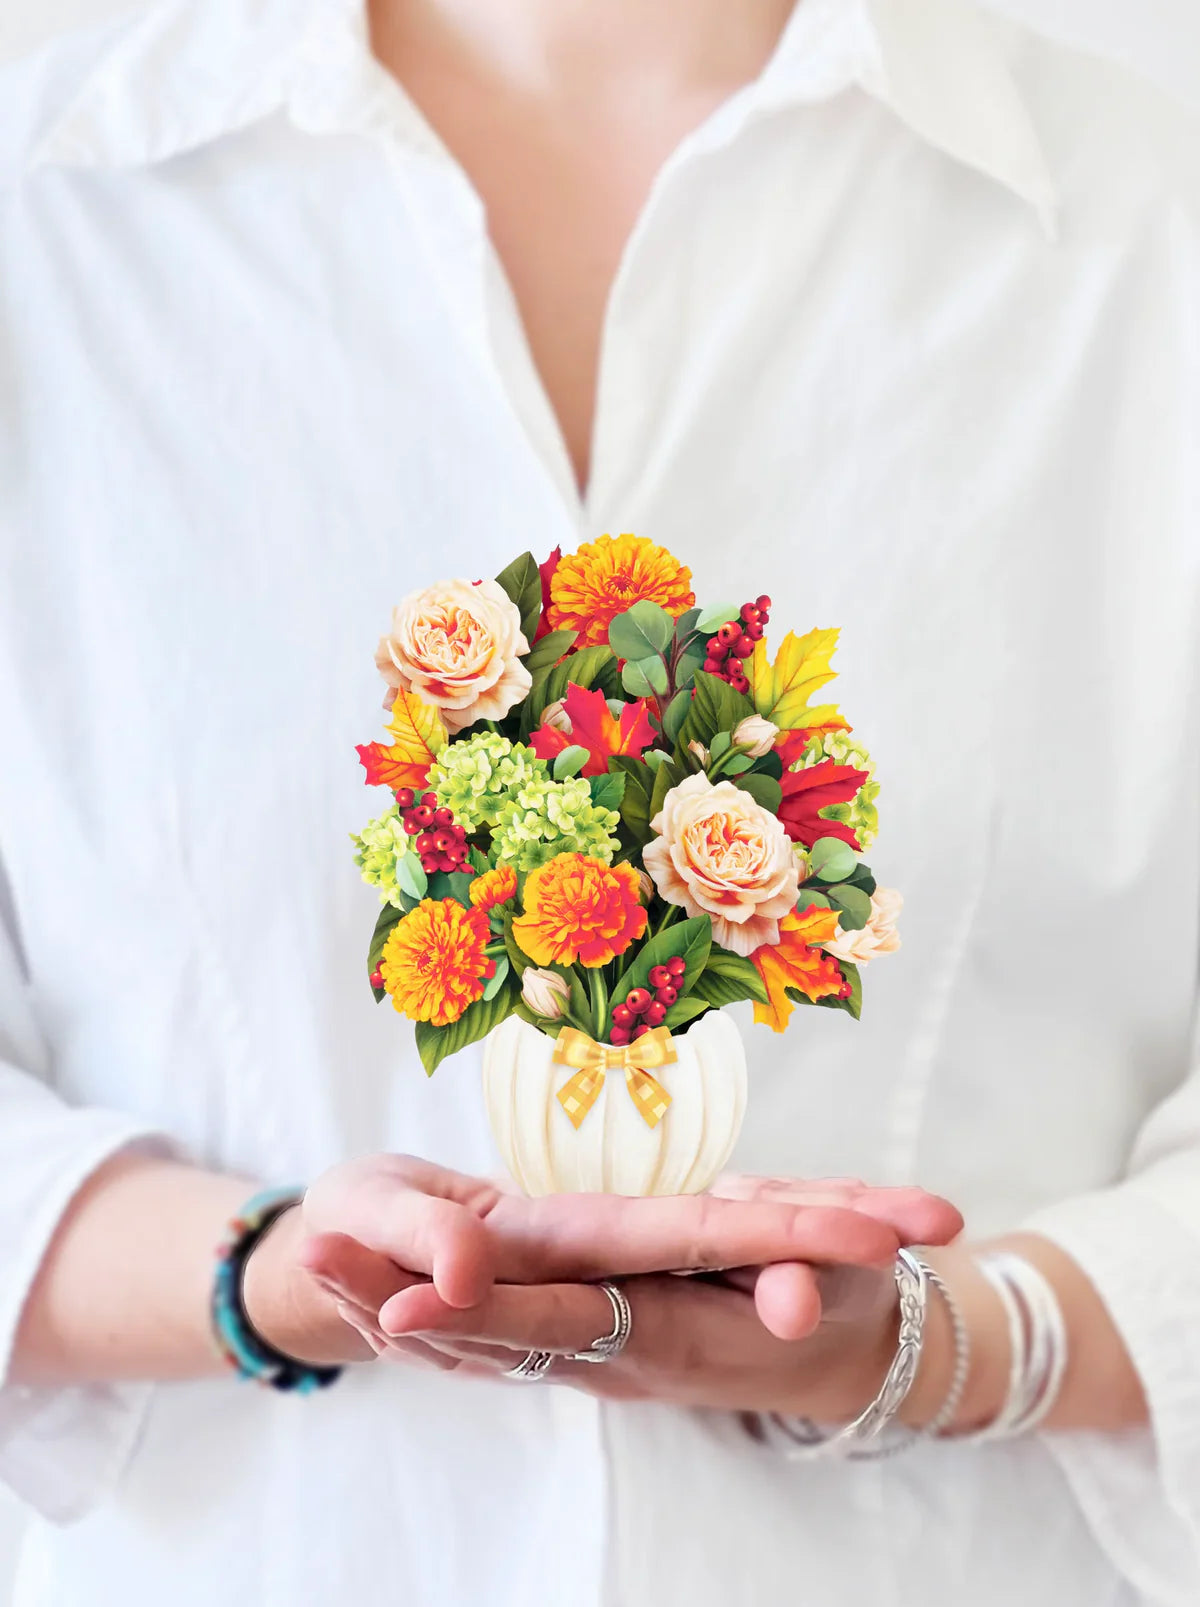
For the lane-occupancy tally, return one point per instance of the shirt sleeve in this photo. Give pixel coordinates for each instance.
(60, 1449)
(1139, 1244)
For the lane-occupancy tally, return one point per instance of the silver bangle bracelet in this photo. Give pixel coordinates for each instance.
(946, 1413)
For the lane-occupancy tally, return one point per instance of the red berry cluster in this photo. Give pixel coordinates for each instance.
(644, 1010)
(735, 641)
(441, 844)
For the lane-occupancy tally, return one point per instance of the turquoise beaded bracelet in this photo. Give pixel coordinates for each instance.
(245, 1351)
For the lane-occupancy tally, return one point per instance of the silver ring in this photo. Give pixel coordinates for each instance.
(610, 1345)
(532, 1368)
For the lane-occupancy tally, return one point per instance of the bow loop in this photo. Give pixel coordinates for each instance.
(591, 1061)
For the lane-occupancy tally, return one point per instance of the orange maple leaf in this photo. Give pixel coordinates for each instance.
(796, 961)
(418, 736)
(594, 728)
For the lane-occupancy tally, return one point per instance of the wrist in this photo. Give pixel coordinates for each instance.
(987, 1377)
(288, 1309)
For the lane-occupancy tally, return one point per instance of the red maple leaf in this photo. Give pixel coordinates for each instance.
(546, 571)
(593, 728)
(807, 792)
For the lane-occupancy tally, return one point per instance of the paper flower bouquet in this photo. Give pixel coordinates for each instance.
(613, 815)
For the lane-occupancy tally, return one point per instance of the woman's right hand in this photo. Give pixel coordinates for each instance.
(370, 1228)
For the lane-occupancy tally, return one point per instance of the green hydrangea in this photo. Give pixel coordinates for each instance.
(544, 818)
(476, 776)
(860, 814)
(377, 848)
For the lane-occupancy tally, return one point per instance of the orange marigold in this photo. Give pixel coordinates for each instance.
(577, 908)
(434, 962)
(493, 887)
(605, 577)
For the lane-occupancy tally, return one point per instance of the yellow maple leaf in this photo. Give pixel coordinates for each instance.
(797, 961)
(418, 736)
(781, 690)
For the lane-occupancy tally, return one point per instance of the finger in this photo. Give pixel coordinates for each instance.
(917, 1216)
(588, 1236)
(562, 1317)
(425, 1219)
(788, 1300)
(342, 1264)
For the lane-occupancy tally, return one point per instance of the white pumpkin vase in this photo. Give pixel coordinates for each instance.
(614, 1151)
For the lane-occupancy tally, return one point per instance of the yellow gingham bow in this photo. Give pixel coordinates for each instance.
(591, 1060)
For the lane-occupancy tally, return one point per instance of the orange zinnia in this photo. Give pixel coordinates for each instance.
(604, 578)
(434, 962)
(493, 887)
(577, 908)
(798, 961)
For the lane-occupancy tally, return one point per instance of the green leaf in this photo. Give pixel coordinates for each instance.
(676, 714)
(644, 677)
(832, 859)
(723, 990)
(608, 790)
(765, 790)
(683, 1011)
(635, 805)
(476, 1021)
(738, 765)
(654, 759)
(737, 971)
(853, 1005)
(685, 669)
(720, 744)
(862, 878)
(410, 877)
(715, 707)
(853, 904)
(665, 777)
(570, 762)
(582, 669)
(518, 959)
(686, 624)
(691, 938)
(497, 981)
(644, 631)
(713, 617)
(545, 654)
(770, 765)
(451, 884)
(388, 916)
(523, 582)
(479, 860)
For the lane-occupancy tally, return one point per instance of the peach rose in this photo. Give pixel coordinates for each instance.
(457, 646)
(719, 853)
(878, 936)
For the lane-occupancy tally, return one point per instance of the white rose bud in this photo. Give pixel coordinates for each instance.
(755, 735)
(555, 714)
(700, 752)
(545, 992)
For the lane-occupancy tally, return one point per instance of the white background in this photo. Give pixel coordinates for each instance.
(1160, 38)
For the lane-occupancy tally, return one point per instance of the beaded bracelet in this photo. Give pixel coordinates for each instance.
(247, 1352)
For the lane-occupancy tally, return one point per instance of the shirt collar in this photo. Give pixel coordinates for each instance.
(192, 70)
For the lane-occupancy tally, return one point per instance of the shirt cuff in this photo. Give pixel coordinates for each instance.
(62, 1448)
(1140, 1491)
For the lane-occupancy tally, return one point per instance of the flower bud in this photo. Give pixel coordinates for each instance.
(755, 735)
(646, 887)
(555, 714)
(545, 992)
(699, 751)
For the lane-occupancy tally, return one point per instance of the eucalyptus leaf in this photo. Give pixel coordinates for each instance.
(434, 1044)
(545, 654)
(720, 744)
(853, 905)
(738, 765)
(654, 758)
(522, 580)
(644, 677)
(714, 616)
(570, 762)
(808, 897)
(642, 631)
(676, 714)
(685, 669)
(832, 860)
(686, 624)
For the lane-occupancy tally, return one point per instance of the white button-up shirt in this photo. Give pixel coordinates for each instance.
(908, 336)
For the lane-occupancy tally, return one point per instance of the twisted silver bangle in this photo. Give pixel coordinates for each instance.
(946, 1413)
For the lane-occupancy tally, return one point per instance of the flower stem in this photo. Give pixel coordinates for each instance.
(599, 997)
(674, 911)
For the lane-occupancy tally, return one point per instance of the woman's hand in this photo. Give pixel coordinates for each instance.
(376, 1229)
